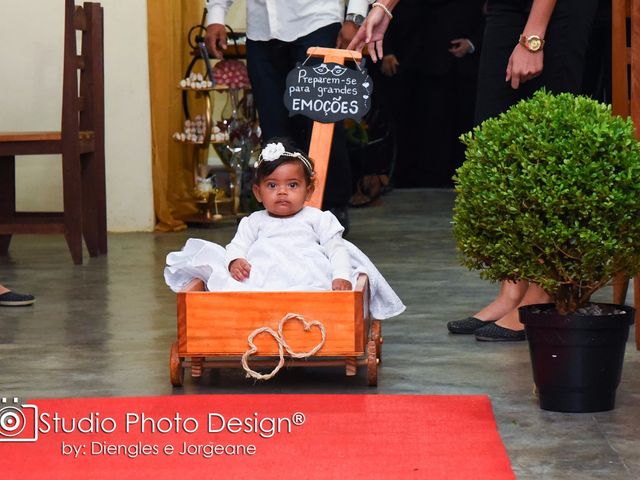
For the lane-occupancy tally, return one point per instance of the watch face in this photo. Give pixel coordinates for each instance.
(355, 18)
(534, 43)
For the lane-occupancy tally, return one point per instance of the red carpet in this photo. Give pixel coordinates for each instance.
(254, 436)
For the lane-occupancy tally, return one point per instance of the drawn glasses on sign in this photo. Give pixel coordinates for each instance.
(328, 92)
(336, 71)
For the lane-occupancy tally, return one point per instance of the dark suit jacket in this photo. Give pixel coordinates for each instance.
(421, 31)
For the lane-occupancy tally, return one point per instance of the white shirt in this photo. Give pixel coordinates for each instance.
(310, 236)
(286, 20)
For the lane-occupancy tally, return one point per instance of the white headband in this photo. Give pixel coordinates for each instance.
(273, 151)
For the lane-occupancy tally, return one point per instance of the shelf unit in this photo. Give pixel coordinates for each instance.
(213, 206)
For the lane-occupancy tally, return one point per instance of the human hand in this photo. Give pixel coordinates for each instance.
(523, 66)
(240, 269)
(216, 39)
(389, 65)
(346, 34)
(340, 284)
(371, 33)
(460, 47)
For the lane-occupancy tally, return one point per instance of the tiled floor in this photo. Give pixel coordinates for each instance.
(104, 329)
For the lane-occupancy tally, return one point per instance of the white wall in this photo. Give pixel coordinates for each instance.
(31, 46)
(31, 42)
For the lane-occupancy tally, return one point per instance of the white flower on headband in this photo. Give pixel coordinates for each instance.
(272, 151)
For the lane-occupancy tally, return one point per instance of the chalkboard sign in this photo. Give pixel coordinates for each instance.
(328, 92)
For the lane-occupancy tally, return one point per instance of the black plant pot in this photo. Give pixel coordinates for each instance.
(576, 359)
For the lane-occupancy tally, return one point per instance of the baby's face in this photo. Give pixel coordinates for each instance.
(284, 192)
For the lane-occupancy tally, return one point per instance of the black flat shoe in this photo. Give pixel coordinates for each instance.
(496, 333)
(14, 299)
(467, 325)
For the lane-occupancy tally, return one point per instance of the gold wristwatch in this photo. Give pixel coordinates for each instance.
(533, 43)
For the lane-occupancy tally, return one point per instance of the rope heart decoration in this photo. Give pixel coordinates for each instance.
(282, 344)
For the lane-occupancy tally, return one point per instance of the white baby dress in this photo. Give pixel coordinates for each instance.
(286, 254)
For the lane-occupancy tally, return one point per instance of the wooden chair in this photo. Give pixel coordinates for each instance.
(625, 78)
(80, 142)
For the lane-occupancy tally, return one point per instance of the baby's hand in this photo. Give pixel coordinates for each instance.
(340, 284)
(240, 269)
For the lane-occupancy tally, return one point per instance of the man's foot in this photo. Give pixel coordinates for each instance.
(13, 299)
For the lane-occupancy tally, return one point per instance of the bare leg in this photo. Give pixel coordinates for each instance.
(534, 294)
(511, 294)
(3, 289)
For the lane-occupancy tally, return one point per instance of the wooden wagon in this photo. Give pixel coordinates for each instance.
(213, 327)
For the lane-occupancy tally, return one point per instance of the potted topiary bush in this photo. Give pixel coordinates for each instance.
(550, 194)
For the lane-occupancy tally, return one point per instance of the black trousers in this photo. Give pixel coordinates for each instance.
(566, 42)
(268, 63)
(430, 111)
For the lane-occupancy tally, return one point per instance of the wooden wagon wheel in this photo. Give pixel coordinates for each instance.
(372, 364)
(376, 336)
(176, 371)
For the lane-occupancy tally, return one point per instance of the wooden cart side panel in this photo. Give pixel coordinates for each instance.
(361, 302)
(219, 323)
(182, 321)
(195, 285)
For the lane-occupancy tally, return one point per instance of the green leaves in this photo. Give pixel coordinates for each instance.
(550, 193)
